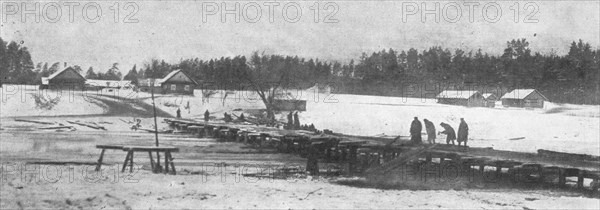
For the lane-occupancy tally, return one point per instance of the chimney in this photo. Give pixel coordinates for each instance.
(65, 64)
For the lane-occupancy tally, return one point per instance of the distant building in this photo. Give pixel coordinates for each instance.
(528, 98)
(490, 99)
(101, 84)
(469, 98)
(145, 85)
(67, 78)
(176, 82)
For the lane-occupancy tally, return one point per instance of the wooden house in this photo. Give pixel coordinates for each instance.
(469, 98)
(178, 82)
(67, 78)
(527, 98)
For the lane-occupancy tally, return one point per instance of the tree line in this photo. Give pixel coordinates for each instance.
(17, 67)
(570, 78)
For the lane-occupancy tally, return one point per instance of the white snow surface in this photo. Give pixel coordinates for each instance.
(558, 127)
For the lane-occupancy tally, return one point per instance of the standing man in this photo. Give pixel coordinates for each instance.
(178, 113)
(415, 131)
(290, 121)
(296, 121)
(206, 115)
(463, 132)
(449, 131)
(430, 128)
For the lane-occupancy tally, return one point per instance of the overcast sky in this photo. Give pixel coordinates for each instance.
(177, 29)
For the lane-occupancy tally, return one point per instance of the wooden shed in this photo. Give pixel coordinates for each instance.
(469, 98)
(67, 78)
(490, 99)
(528, 98)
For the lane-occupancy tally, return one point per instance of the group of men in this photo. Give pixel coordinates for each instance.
(416, 128)
(293, 123)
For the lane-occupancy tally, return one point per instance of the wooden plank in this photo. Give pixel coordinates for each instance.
(34, 121)
(105, 146)
(87, 125)
(126, 161)
(100, 160)
(171, 162)
(580, 178)
(56, 127)
(562, 179)
(566, 156)
(151, 161)
(150, 148)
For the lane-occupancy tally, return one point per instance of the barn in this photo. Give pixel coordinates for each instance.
(67, 78)
(527, 98)
(469, 98)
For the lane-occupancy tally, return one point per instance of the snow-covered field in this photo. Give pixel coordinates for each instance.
(20, 100)
(570, 128)
(559, 127)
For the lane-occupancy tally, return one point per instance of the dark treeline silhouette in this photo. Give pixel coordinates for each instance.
(570, 78)
(113, 73)
(16, 67)
(227, 72)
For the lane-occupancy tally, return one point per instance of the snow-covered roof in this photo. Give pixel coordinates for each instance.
(487, 95)
(175, 72)
(52, 76)
(460, 94)
(108, 83)
(171, 74)
(521, 94)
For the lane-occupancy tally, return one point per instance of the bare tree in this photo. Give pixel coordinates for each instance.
(266, 75)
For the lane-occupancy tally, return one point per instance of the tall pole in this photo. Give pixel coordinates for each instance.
(155, 125)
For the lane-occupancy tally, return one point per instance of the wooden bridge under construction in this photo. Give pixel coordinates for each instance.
(384, 157)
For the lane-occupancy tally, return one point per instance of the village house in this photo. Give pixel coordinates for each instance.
(526, 98)
(490, 99)
(68, 78)
(176, 82)
(468, 98)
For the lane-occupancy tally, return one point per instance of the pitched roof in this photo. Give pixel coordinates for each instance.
(173, 73)
(458, 94)
(487, 95)
(521, 94)
(63, 71)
